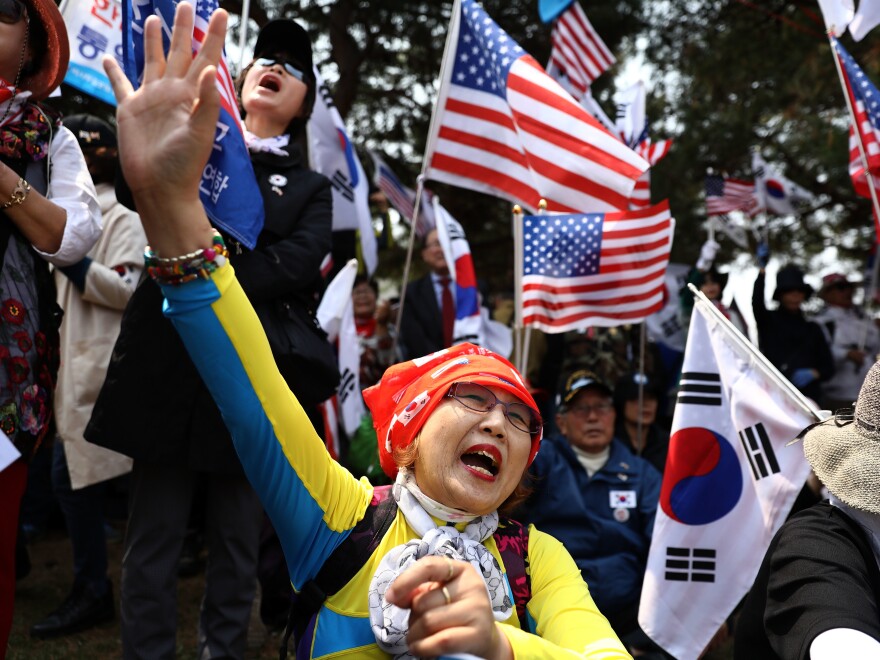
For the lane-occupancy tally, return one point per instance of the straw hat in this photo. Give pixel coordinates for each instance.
(844, 450)
(53, 65)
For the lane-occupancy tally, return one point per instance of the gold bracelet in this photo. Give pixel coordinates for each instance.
(19, 194)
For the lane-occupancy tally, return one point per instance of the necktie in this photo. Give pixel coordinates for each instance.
(448, 310)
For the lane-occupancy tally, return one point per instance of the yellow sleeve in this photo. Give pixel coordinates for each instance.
(568, 624)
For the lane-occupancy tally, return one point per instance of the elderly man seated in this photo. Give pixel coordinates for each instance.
(598, 498)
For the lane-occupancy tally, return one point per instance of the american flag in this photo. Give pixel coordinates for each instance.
(504, 127)
(578, 52)
(402, 198)
(865, 101)
(651, 152)
(228, 186)
(594, 269)
(724, 195)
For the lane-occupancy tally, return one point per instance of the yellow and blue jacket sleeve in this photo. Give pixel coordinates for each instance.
(313, 501)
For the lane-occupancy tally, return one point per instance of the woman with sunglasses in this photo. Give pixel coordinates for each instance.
(49, 213)
(457, 428)
(187, 446)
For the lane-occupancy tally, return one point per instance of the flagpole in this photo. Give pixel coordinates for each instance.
(516, 219)
(744, 344)
(413, 226)
(869, 178)
(242, 36)
(642, 341)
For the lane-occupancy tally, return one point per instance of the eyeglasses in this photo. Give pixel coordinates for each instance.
(12, 11)
(481, 399)
(269, 61)
(584, 410)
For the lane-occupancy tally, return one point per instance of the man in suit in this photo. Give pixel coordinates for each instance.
(429, 309)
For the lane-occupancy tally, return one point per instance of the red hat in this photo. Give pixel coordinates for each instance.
(408, 393)
(54, 62)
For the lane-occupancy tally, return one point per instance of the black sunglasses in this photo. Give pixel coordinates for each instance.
(269, 61)
(12, 11)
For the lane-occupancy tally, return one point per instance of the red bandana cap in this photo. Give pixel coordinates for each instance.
(408, 393)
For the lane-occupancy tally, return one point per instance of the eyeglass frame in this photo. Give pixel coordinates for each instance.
(23, 13)
(536, 416)
(285, 64)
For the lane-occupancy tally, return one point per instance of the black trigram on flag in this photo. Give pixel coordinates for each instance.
(690, 564)
(343, 184)
(700, 388)
(759, 451)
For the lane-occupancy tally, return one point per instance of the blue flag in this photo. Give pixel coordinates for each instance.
(228, 188)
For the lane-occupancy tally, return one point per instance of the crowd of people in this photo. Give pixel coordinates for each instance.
(179, 369)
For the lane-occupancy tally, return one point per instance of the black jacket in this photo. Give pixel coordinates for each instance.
(153, 405)
(791, 342)
(421, 324)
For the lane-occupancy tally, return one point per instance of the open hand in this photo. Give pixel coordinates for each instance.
(464, 624)
(166, 127)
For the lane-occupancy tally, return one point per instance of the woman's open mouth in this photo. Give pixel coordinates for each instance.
(483, 461)
(270, 82)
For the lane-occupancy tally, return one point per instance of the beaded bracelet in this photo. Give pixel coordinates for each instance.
(187, 267)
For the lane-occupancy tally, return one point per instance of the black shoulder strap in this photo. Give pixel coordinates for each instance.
(341, 566)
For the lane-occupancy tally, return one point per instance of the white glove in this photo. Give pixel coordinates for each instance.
(707, 255)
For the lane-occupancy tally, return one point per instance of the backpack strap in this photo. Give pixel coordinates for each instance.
(341, 566)
(512, 539)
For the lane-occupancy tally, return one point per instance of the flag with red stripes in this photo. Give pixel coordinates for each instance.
(651, 152)
(577, 51)
(865, 100)
(724, 195)
(403, 198)
(228, 186)
(599, 269)
(506, 128)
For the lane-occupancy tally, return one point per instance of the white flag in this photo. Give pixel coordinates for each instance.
(837, 14)
(95, 30)
(470, 323)
(730, 480)
(632, 123)
(776, 194)
(664, 326)
(866, 19)
(336, 316)
(333, 155)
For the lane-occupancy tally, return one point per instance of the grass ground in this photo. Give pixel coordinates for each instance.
(49, 582)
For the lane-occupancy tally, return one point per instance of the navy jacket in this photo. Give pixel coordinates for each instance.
(609, 543)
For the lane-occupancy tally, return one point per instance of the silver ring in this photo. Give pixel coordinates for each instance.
(451, 569)
(446, 594)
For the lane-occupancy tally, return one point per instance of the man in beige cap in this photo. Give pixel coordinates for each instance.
(817, 594)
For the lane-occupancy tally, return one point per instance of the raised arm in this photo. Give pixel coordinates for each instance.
(166, 132)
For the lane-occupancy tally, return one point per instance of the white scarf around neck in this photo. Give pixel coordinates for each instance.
(390, 623)
(272, 145)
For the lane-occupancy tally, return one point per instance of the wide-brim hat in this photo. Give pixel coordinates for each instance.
(288, 37)
(791, 278)
(844, 450)
(53, 65)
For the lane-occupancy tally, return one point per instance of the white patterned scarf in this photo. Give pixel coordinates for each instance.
(390, 623)
(272, 145)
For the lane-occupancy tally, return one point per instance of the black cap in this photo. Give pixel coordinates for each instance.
(283, 36)
(90, 131)
(627, 388)
(579, 381)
